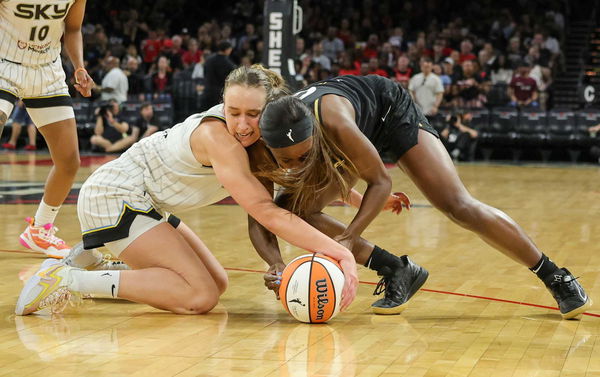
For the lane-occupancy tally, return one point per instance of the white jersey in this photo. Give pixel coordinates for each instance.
(158, 173)
(31, 30)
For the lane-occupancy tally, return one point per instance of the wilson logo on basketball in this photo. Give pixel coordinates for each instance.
(322, 300)
(311, 288)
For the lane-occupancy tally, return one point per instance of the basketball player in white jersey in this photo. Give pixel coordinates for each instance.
(30, 69)
(123, 205)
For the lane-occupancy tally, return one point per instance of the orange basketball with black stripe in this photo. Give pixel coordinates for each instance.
(311, 288)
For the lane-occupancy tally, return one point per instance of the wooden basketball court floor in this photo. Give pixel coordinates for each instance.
(479, 314)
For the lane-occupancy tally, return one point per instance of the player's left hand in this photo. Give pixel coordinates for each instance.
(396, 201)
(273, 278)
(84, 83)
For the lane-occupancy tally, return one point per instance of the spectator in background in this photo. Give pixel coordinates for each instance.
(114, 85)
(426, 88)
(374, 68)
(523, 91)
(449, 72)
(216, 69)
(397, 39)
(468, 89)
(347, 66)
(550, 43)
(226, 35)
(437, 52)
(364, 69)
(162, 79)
(301, 48)
(533, 56)
(446, 79)
(486, 61)
(543, 80)
(146, 124)
(544, 56)
(332, 45)
(150, 49)
(403, 71)
(319, 58)
(387, 58)
(193, 55)
(171, 52)
(135, 78)
(247, 40)
(132, 53)
(458, 138)
(514, 54)
(371, 50)
(110, 134)
(501, 71)
(20, 118)
(466, 51)
(345, 33)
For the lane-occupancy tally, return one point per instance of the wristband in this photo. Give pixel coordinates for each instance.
(75, 73)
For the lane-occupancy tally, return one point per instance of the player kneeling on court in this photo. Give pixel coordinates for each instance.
(124, 205)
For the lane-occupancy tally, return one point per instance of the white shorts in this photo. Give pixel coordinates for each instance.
(114, 208)
(42, 88)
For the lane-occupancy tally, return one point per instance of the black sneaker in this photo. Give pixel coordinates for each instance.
(399, 286)
(568, 293)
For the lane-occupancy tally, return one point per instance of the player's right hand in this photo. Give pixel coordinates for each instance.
(348, 265)
(84, 82)
(396, 201)
(273, 278)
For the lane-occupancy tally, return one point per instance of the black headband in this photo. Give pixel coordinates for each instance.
(279, 136)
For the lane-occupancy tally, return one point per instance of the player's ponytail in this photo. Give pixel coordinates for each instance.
(258, 76)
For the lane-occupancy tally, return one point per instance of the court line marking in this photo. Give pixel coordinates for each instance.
(373, 283)
(446, 293)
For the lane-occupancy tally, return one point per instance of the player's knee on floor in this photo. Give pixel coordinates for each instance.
(202, 302)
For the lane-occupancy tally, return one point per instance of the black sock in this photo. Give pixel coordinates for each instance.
(381, 258)
(544, 267)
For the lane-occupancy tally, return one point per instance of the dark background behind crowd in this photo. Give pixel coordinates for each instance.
(359, 37)
(484, 53)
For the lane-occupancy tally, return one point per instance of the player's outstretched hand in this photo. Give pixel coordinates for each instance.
(351, 281)
(396, 201)
(83, 82)
(273, 278)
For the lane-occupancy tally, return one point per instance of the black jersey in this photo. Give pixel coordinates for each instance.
(380, 106)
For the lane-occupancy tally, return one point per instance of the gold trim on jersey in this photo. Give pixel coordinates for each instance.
(316, 110)
(48, 96)
(8, 91)
(123, 211)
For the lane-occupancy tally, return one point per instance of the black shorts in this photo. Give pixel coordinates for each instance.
(98, 238)
(402, 123)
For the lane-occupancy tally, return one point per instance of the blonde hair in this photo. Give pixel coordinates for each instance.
(258, 76)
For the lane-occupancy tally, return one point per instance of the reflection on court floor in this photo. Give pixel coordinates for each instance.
(479, 314)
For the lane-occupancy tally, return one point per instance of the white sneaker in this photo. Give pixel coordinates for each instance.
(46, 289)
(43, 240)
(91, 260)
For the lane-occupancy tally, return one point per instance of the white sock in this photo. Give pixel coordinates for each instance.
(45, 214)
(97, 283)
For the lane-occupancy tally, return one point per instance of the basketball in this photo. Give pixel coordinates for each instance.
(311, 288)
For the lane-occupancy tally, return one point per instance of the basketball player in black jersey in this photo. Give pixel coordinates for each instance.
(328, 135)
